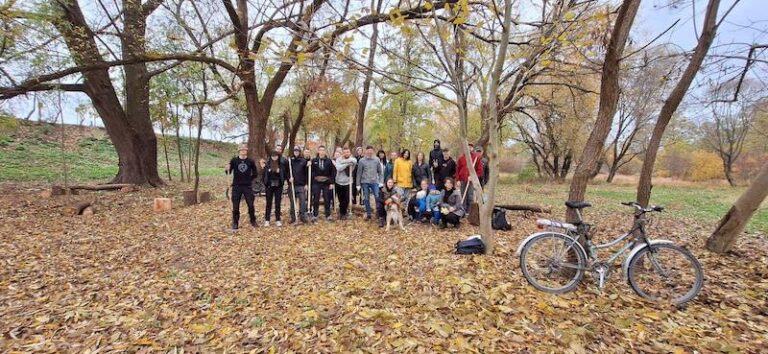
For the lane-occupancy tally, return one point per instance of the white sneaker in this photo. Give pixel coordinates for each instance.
(266, 223)
(279, 223)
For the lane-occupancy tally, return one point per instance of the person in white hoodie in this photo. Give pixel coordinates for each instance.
(344, 164)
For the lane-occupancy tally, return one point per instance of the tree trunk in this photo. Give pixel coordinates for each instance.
(728, 171)
(674, 99)
(360, 133)
(733, 223)
(165, 148)
(197, 145)
(178, 147)
(609, 97)
(129, 129)
(612, 173)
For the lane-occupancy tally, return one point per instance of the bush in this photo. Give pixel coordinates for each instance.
(528, 174)
(705, 166)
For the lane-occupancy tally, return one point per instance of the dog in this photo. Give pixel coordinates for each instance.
(394, 212)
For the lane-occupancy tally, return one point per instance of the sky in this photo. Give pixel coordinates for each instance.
(747, 23)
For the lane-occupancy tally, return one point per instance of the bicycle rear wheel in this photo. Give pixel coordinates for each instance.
(553, 263)
(668, 273)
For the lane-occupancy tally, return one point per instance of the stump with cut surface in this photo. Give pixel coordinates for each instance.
(205, 197)
(78, 208)
(161, 204)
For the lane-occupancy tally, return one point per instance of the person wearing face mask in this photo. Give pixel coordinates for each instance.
(274, 177)
(323, 176)
(297, 183)
(243, 171)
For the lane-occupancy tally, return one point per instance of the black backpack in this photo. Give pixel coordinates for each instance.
(473, 245)
(499, 220)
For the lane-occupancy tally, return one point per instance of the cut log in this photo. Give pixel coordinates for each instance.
(189, 198)
(102, 187)
(129, 188)
(206, 197)
(161, 204)
(76, 208)
(58, 190)
(46, 194)
(88, 211)
(533, 208)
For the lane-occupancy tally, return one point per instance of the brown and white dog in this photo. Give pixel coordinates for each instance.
(394, 212)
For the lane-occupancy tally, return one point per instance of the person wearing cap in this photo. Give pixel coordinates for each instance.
(297, 184)
(243, 171)
(463, 165)
(436, 158)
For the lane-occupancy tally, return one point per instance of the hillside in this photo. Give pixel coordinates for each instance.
(32, 151)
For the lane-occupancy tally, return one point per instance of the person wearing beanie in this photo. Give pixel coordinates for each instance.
(274, 177)
(436, 158)
(297, 184)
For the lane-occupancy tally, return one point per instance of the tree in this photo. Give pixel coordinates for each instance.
(609, 96)
(674, 98)
(363, 104)
(733, 223)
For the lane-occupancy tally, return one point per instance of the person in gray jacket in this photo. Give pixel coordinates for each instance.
(451, 207)
(370, 177)
(344, 165)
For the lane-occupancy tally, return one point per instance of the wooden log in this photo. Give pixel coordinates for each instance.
(46, 194)
(102, 187)
(520, 207)
(129, 188)
(205, 197)
(89, 210)
(58, 190)
(76, 208)
(161, 204)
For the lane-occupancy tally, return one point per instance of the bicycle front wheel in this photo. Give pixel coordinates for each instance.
(553, 263)
(668, 273)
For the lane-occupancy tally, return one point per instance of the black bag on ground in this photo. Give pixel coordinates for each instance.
(499, 220)
(472, 245)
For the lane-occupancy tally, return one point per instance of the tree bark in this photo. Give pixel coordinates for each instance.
(609, 97)
(673, 101)
(732, 224)
(164, 139)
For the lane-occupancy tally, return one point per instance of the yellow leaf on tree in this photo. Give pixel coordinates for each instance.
(428, 6)
(569, 16)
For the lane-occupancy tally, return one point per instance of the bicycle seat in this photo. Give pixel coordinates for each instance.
(573, 204)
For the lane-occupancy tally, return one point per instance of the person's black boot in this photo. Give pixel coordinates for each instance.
(442, 224)
(382, 222)
(254, 224)
(235, 226)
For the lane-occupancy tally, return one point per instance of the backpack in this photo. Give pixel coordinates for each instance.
(472, 245)
(499, 220)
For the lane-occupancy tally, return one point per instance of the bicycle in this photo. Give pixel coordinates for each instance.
(649, 263)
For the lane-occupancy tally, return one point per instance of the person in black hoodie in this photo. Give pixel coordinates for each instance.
(243, 172)
(323, 177)
(447, 169)
(435, 158)
(421, 170)
(297, 184)
(274, 177)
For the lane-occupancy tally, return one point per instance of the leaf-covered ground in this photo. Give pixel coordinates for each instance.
(131, 280)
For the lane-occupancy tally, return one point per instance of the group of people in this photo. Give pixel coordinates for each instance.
(435, 190)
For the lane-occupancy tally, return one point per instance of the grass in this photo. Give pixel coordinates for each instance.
(705, 203)
(32, 152)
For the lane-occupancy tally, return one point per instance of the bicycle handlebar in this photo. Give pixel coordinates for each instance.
(640, 208)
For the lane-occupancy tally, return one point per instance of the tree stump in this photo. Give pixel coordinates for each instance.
(206, 197)
(161, 204)
(58, 190)
(189, 198)
(474, 214)
(77, 208)
(45, 194)
(88, 211)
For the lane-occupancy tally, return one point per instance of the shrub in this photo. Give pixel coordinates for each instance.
(705, 166)
(528, 174)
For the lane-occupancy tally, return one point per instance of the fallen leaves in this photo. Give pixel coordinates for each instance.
(127, 279)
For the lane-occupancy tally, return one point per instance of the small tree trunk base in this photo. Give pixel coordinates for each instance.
(189, 198)
(205, 197)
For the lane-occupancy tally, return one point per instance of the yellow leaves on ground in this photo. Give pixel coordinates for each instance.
(129, 280)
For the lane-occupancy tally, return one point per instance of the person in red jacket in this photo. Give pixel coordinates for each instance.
(462, 173)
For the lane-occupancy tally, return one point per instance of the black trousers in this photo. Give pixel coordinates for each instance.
(450, 218)
(355, 193)
(342, 193)
(273, 193)
(325, 189)
(239, 192)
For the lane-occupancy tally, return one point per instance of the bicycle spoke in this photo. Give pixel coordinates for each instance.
(667, 274)
(548, 263)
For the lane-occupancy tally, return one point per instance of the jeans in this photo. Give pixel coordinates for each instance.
(318, 188)
(342, 193)
(273, 193)
(367, 189)
(237, 193)
(301, 198)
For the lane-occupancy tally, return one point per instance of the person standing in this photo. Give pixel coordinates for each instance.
(422, 171)
(450, 205)
(274, 177)
(484, 161)
(446, 169)
(389, 168)
(402, 173)
(323, 175)
(355, 183)
(344, 165)
(243, 171)
(370, 174)
(435, 158)
(463, 166)
(297, 185)
(382, 156)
